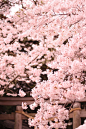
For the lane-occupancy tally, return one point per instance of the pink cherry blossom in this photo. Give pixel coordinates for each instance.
(56, 63)
(24, 105)
(1, 92)
(21, 93)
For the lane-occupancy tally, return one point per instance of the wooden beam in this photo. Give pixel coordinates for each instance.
(18, 100)
(12, 116)
(83, 113)
(10, 124)
(76, 116)
(71, 115)
(18, 118)
(7, 116)
(15, 100)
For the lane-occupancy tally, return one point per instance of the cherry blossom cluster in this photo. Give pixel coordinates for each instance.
(59, 27)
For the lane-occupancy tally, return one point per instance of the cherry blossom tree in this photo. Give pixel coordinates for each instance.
(44, 38)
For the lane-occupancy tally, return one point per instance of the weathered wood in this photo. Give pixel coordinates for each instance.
(71, 115)
(12, 116)
(15, 100)
(10, 124)
(83, 113)
(7, 116)
(18, 118)
(18, 100)
(76, 116)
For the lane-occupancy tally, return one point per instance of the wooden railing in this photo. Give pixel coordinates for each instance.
(15, 101)
(76, 114)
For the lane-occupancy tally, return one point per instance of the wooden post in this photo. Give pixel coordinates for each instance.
(18, 118)
(76, 116)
